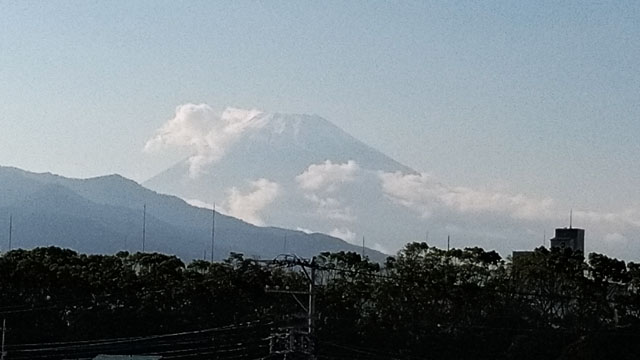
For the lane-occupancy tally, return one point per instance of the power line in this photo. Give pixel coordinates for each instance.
(103, 341)
(249, 338)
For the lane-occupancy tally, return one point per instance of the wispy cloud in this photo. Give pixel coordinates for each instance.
(327, 176)
(248, 205)
(425, 195)
(379, 247)
(344, 234)
(305, 230)
(200, 204)
(321, 182)
(207, 134)
(489, 213)
(625, 218)
(615, 238)
(331, 208)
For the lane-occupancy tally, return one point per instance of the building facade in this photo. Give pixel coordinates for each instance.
(569, 238)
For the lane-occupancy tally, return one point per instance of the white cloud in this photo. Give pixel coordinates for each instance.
(629, 217)
(383, 249)
(206, 205)
(616, 238)
(320, 180)
(331, 208)
(208, 135)
(248, 205)
(199, 203)
(344, 234)
(327, 176)
(501, 216)
(425, 195)
(306, 231)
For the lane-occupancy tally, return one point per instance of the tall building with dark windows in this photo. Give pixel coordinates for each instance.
(569, 238)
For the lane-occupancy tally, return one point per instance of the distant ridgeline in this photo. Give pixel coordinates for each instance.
(423, 303)
(108, 214)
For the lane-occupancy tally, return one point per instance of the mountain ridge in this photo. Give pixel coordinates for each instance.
(104, 214)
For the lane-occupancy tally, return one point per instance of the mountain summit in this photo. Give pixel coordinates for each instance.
(281, 148)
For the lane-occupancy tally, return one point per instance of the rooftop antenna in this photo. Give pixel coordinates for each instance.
(213, 229)
(144, 225)
(571, 219)
(10, 229)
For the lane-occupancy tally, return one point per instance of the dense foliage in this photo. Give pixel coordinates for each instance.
(422, 303)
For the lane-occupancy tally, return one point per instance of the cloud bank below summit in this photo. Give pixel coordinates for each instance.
(423, 194)
(327, 176)
(245, 203)
(321, 182)
(249, 204)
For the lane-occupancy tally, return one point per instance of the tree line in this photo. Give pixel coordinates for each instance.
(423, 303)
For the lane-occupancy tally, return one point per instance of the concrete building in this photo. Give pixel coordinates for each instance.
(566, 238)
(570, 238)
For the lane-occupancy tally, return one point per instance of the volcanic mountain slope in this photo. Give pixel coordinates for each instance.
(280, 150)
(326, 180)
(105, 215)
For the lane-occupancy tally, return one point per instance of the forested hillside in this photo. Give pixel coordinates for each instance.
(424, 303)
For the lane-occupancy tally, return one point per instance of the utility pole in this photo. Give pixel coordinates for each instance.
(144, 225)
(312, 299)
(10, 229)
(284, 244)
(288, 340)
(213, 230)
(448, 241)
(4, 330)
(363, 247)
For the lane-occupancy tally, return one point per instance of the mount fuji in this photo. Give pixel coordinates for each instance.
(303, 172)
(316, 177)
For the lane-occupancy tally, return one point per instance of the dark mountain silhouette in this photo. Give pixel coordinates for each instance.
(105, 215)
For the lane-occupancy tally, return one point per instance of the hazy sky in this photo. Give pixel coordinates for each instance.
(540, 98)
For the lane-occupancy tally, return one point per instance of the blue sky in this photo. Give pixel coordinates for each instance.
(540, 98)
